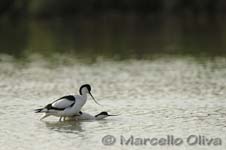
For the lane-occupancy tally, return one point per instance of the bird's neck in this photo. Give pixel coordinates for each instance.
(84, 95)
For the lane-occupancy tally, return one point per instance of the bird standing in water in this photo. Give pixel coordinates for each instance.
(67, 106)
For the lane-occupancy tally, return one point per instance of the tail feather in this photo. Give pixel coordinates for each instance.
(40, 110)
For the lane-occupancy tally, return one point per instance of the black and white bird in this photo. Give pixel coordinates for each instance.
(86, 116)
(67, 106)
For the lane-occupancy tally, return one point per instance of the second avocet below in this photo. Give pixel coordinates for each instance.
(87, 116)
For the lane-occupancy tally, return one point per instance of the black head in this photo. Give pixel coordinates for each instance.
(102, 113)
(85, 85)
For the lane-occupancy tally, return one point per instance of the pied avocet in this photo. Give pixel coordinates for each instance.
(86, 116)
(67, 106)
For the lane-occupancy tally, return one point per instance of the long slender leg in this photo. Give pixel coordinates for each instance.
(60, 119)
(44, 116)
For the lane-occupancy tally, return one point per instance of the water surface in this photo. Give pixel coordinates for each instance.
(165, 95)
(163, 76)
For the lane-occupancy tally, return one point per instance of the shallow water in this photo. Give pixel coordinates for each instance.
(164, 75)
(165, 95)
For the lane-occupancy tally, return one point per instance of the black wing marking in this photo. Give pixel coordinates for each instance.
(68, 97)
(49, 106)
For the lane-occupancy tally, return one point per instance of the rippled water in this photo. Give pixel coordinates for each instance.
(165, 95)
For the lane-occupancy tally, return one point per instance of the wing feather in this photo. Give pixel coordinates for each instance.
(63, 102)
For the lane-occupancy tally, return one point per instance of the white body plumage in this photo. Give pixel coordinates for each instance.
(67, 106)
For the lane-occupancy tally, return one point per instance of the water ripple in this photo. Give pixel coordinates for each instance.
(153, 97)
